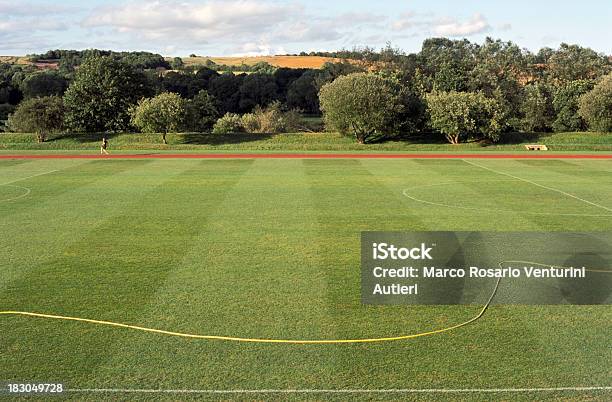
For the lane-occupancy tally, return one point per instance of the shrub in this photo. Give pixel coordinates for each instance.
(596, 106)
(177, 63)
(5, 110)
(291, 121)
(229, 123)
(363, 105)
(249, 123)
(462, 114)
(41, 116)
(272, 119)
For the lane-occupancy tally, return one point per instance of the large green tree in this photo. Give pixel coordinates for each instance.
(257, 89)
(303, 93)
(596, 106)
(284, 77)
(565, 103)
(41, 116)
(536, 108)
(201, 113)
(101, 95)
(226, 90)
(43, 84)
(500, 67)
(573, 62)
(331, 71)
(11, 77)
(183, 83)
(362, 105)
(446, 64)
(459, 115)
(163, 114)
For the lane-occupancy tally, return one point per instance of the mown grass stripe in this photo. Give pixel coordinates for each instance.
(53, 215)
(173, 300)
(102, 270)
(594, 204)
(247, 275)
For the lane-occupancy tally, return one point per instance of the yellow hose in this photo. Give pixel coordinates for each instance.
(277, 341)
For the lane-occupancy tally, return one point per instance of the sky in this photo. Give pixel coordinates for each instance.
(266, 27)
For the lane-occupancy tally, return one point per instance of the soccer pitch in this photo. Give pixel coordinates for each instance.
(270, 248)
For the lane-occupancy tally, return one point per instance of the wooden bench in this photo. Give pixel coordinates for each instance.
(536, 147)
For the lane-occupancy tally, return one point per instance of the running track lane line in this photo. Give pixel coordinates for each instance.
(540, 185)
(309, 156)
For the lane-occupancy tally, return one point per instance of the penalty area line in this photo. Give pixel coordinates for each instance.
(343, 391)
(29, 177)
(540, 185)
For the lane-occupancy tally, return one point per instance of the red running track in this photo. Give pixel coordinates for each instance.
(310, 156)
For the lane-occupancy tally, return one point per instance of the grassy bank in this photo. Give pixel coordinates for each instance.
(296, 142)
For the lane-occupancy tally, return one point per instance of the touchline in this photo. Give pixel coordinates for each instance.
(382, 251)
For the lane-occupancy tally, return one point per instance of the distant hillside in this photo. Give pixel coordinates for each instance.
(276, 61)
(15, 60)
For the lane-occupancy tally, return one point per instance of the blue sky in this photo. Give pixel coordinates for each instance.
(240, 27)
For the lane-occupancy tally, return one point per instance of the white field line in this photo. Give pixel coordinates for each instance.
(341, 391)
(28, 191)
(541, 185)
(479, 209)
(29, 177)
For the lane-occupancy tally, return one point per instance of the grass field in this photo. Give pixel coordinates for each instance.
(270, 248)
(298, 142)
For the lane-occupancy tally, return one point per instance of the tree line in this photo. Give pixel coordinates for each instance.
(453, 88)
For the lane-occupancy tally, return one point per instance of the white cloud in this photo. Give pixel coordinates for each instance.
(453, 27)
(406, 20)
(252, 49)
(25, 8)
(28, 35)
(169, 21)
(27, 26)
(243, 27)
(302, 31)
(31, 25)
(427, 24)
(25, 43)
